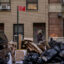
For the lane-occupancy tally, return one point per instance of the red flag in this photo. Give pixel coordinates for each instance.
(21, 8)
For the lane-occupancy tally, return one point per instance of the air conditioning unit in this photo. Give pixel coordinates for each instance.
(59, 15)
(4, 7)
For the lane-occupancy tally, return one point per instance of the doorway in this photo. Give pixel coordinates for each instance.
(39, 27)
(1, 27)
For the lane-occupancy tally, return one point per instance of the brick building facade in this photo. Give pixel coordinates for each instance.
(55, 18)
(27, 20)
(45, 15)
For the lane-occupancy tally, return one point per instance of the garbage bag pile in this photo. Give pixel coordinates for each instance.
(2, 61)
(53, 55)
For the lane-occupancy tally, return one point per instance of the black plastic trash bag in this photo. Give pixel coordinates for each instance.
(49, 54)
(40, 61)
(62, 46)
(62, 53)
(62, 62)
(35, 57)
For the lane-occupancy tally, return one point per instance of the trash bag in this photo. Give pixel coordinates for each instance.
(53, 55)
(30, 63)
(2, 61)
(62, 54)
(1, 47)
(49, 54)
(62, 62)
(10, 58)
(27, 58)
(62, 46)
(40, 61)
(57, 48)
(56, 59)
(35, 57)
(52, 43)
(31, 58)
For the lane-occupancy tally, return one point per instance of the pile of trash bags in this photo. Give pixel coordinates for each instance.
(8, 59)
(53, 55)
(5, 54)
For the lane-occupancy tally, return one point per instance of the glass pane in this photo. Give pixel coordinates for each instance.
(20, 29)
(15, 28)
(32, 6)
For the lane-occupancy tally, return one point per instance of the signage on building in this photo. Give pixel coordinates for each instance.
(21, 8)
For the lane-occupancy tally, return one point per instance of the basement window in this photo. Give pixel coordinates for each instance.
(31, 4)
(5, 5)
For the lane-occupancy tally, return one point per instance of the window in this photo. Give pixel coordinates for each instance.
(1, 28)
(5, 5)
(32, 4)
(20, 31)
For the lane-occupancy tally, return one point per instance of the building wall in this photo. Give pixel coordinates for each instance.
(54, 1)
(55, 23)
(27, 18)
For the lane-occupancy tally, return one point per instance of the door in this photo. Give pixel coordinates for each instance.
(39, 27)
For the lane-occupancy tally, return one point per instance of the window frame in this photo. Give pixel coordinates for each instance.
(31, 3)
(2, 25)
(14, 29)
(7, 3)
(40, 25)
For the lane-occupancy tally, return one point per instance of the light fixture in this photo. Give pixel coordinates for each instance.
(60, 15)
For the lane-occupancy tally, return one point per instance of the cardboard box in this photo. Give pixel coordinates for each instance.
(19, 55)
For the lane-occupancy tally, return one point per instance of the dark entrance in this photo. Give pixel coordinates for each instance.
(39, 27)
(1, 28)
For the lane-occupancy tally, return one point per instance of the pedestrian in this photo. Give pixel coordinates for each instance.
(40, 36)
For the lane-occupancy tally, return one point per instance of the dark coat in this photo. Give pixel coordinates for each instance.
(39, 37)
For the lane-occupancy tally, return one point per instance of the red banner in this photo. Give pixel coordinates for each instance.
(21, 8)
